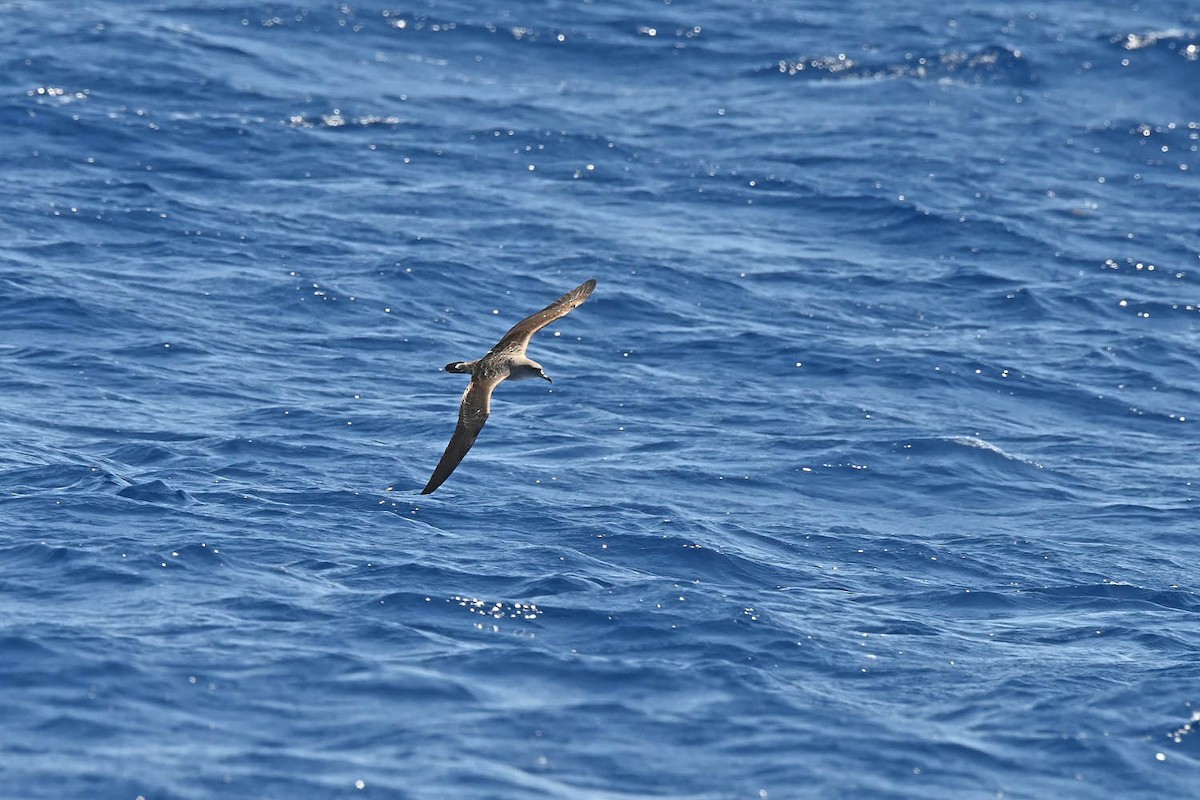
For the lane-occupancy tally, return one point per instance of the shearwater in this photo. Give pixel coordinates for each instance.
(505, 361)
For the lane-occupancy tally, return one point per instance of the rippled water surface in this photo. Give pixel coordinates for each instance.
(869, 470)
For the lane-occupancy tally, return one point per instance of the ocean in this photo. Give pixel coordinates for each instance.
(869, 470)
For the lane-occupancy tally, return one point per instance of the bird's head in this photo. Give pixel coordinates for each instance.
(528, 369)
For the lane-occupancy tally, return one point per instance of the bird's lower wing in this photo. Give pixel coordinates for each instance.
(472, 413)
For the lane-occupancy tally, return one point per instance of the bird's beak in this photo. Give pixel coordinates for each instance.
(547, 377)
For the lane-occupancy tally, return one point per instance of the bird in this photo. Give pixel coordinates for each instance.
(505, 361)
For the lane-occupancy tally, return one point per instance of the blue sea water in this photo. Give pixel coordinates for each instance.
(869, 470)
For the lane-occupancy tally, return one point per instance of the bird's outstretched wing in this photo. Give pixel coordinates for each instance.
(517, 339)
(472, 413)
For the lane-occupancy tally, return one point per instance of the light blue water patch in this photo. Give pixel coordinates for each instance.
(868, 470)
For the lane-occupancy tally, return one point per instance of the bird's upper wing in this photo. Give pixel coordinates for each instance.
(517, 339)
(472, 413)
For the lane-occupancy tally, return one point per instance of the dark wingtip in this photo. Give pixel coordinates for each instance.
(580, 293)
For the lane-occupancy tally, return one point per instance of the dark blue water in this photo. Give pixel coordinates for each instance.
(869, 470)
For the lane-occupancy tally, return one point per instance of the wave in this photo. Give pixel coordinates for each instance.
(988, 65)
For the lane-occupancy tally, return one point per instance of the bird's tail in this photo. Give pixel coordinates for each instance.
(459, 366)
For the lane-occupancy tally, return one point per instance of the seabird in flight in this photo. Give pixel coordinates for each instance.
(505, 361)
